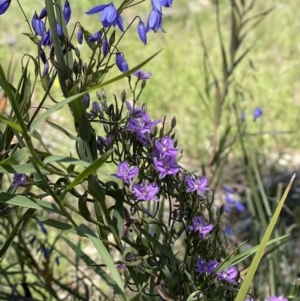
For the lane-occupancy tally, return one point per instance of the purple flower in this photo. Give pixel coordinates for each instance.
(4, 5)
(166, 166)
(59, 29)
(229, 275)
(86, 100)
(121, 63)
(156, 5)
(206, 267)
(105, 46)
(46, 39)
(154, 21)
(109, 16)
(136, 111)
(43, 13)
(142, 75)
(257, 113)
(275, 298)
(125, 173)
(165, 147)
(232, 203)
(142, 127)
(95, 109)
(199, 184)
(228, 189)
(211, 266)
(67, 11)
(141, 29)
(38, 25)
(201, 266)
(120, 266)
(95, 37)
(144, 192)
(103, 143)
(166, 3)
(80, 35)
(19, 179)
(200, 226)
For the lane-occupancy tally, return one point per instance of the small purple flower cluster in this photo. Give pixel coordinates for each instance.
(229, 274)
(275, 298)
(230, 202)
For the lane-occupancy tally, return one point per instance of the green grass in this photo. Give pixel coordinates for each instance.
(178, 70)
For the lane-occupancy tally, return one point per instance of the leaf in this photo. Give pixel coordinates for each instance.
(61, 129)
(16, 158)
(63, 159)
(92, 265)
(22, 168)
(20, 224)
(261, 248)
(10, 123)
(26, 202)
(92, 168)
(106, 258)
(56, 224)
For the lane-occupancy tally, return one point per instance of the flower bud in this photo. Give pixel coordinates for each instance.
(77, 52)
(98, 96)
(173, 122)
(86, 100)
(46, 69)
(103, 94)
(112, 37)
(144, 108)
(106, 128)
(138, 160)
(75, 67)
(143, 85)
(123, 96)
(84, 68)
(80, 35)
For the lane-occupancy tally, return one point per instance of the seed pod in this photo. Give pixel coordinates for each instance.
(123, 96)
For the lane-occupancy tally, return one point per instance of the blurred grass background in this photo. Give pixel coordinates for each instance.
(178, 72)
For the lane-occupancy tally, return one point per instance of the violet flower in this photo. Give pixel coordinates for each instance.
(105, 46)
(4, 5)
(166, 3)
(136, 111)
(125, 172)
(201, 266)
(165, 147)
(109, 15)
(199, 184)
(141, 29)
(43, 13)
(229, 274)
(80, 35)
(95, 37)
(154, 21)
(67, 11)
(166, 166)
(141, 74)
(37, 25)
(121, 63)
(144, 192)
(257, 113)
(275, 298)
(19, 179)
(200, 226)
(212, 265)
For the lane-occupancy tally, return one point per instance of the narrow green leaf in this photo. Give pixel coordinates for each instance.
(69, 160)
(106, 258)
(10, 123)
(89, 170)
(92, 265)
(16, 158)
(22, 168)
(20, 224)
(259, 254)
(26, 202)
